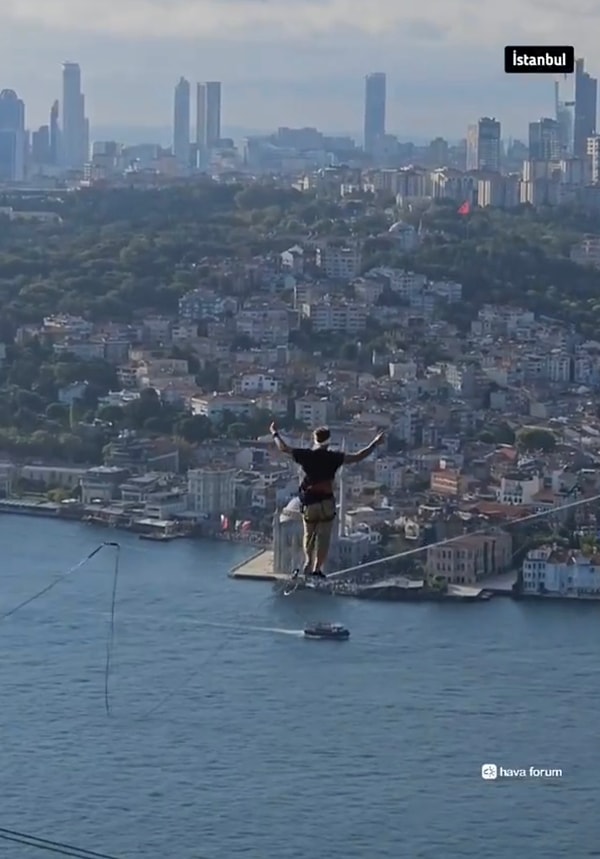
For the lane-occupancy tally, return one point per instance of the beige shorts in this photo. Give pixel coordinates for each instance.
(318, 526)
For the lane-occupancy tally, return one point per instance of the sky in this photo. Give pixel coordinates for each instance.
(294, 62)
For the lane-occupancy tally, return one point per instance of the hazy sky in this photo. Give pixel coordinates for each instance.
(294, 62)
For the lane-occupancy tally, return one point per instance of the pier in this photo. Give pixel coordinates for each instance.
(29, 507)
(259, 567)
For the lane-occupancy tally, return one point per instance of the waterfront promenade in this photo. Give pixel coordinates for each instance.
(259, 567)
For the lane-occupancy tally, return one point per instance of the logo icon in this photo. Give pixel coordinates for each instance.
(489, 771)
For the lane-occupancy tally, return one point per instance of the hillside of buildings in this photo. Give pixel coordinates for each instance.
(157, 332)
(118, 254)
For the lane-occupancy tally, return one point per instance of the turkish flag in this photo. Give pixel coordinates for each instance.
(465, 209)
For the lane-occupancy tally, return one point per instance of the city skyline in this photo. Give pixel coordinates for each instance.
(205, 100)
(313, 58)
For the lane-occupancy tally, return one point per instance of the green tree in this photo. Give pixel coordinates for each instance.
(195, 429)
(112, 415)
(536, 439)
(58, 412)
(237, 430)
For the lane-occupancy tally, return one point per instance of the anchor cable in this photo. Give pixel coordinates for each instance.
(110, 639)
(517, 520)
(51, 846)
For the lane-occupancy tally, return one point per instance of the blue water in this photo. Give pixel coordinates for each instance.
(270, 746)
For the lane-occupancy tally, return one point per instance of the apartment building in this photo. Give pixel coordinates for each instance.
(470, 559)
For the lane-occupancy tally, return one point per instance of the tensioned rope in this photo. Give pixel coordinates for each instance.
(61, 578)
(49, 845)
(52, 846)
(446, 542)
(110, 638)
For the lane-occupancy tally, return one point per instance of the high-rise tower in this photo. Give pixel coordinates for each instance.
(12, 136)
(75, 133)
(483, 145)
(544, 140)
(213, 113)
(201, 116)
(564, 101)
(586, 106)
(375, 101)
(54, 134)
(208, 117)
(181, 124)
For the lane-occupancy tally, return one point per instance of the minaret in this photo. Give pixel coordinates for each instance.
(277, 552)
(342, 510)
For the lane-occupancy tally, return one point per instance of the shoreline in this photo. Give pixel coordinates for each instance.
(107, 517)
(253, 568)
(259, 568)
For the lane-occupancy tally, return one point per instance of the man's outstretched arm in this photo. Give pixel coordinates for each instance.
(365, 452)
(280, 444)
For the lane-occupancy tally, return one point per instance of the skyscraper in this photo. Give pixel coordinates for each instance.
(375, 99)
(208, 115)
(586, 106)
(200, 116)
(483, 145)
(213, 113)
(181, 124)
(12, 137)
(564, 99)
(75, 133)
(40, 145)
(544, 140)
(593, 159)
(55, 146)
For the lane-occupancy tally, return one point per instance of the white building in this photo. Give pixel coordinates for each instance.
(293, 259)
(264, 325)
(389, 473)
(560, 366)
(314, 411)
(559, 572)
(216, 406)
(100, 484)
(256, 383)
(450, 184)
(448, 290)
(593, 159)
(406, 424)
(340, 263)
(211, 490)
(346, 317)
(403, 370)
(518, 490)
(405, 284)
(7, 474)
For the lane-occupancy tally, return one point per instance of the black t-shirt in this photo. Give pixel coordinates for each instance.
(319, 466)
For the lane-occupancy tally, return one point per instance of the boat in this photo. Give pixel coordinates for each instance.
(158, 538)
(331, 631)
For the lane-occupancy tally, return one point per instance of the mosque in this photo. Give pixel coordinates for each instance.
(347, 549)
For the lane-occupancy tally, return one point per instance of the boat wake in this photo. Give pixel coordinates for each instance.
(189, 621)
(298, 632)
(239, 627)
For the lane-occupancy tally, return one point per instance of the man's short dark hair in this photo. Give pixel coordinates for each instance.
(322, 434)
